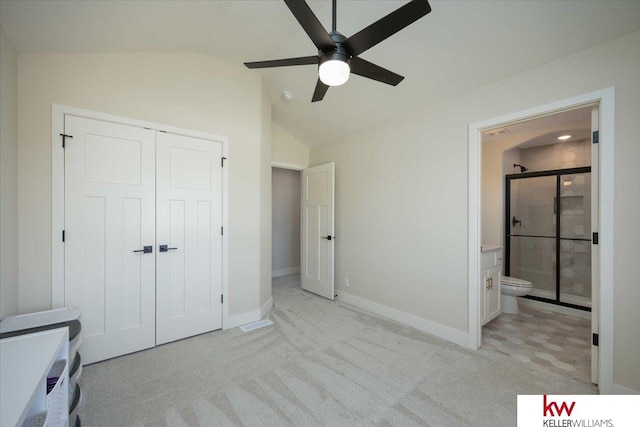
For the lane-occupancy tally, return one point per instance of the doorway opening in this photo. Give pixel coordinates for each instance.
(285, 222)
(601, 258)
(303, 236)
(540, 170)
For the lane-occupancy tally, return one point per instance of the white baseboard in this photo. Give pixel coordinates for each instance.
(266, 308)
(555, 308)
(249, 317)
(285, 271)
(424, 325)
(618, 389)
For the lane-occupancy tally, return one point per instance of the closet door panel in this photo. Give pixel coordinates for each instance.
(189, 215)
(110, 214)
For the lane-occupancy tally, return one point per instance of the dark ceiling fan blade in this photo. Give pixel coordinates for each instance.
(304, 60)
(387, 26)
(321, 90)
(310, 24)
(372, 71)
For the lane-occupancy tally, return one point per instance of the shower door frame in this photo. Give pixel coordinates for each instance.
(558, 173)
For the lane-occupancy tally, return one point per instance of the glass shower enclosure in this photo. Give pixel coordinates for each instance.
(548, 234)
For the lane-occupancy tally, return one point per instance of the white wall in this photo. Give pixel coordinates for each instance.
(497, 161)
(8, 177)
(401, 187)
(265, 204)
(285, 245)
(287, 149)
(185, 90)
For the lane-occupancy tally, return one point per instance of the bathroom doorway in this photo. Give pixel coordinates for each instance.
(479, 200)
(545, 188)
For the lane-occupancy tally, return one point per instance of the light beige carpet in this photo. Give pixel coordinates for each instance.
(321, 363)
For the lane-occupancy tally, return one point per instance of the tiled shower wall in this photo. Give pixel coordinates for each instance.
(562, 155)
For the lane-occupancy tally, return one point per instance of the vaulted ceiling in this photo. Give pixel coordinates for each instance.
(460, 45)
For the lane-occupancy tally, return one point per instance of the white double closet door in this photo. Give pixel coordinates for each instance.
(143, 245)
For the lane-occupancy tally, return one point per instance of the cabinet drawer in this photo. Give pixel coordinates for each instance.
(490, 259)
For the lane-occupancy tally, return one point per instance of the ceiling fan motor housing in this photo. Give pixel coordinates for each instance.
(340, 53)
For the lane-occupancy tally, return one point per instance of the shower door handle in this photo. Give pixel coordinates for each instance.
(515, 221)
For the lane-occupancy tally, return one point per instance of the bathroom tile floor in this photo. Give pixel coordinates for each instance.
(558, 342)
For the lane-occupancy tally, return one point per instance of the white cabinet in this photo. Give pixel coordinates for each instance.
(492, 288)
(490, 274)
(27, 364)
(33, 334)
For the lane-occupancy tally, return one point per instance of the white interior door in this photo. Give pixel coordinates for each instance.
(189, 223)
(318, 198)
(595, 249)
(109, 218)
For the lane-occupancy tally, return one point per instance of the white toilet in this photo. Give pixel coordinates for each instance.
(511, 288)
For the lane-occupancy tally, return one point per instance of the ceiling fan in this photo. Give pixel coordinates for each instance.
(338, 55)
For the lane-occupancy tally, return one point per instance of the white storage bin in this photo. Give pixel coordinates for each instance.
(75, 403)
(57, 396)
(75, 372)
(36, 420)
(39, 319)
(27, 360)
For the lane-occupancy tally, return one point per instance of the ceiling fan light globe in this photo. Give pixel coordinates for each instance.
(334, 72)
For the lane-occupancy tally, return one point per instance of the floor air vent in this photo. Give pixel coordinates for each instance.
(256, 325)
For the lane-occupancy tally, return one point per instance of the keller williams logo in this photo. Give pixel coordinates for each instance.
(548, 408)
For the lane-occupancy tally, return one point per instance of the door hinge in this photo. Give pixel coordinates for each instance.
(221, 299)
(64, 138)
(596, 137)
(63, 235)
(222, 231)
(594, 339)
(223, 159)
(594, 238)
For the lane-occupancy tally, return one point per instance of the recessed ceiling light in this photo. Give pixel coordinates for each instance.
(564, 137)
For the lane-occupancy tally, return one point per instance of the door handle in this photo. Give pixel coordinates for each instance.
(145, 249)
(329, 237)
(166, 248)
